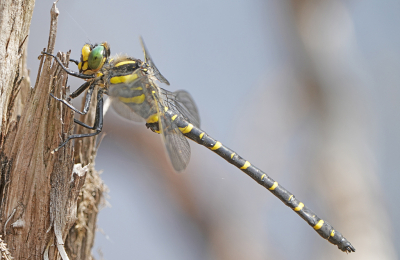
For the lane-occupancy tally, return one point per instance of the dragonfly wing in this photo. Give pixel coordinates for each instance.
(188, 103)
(135, 95)
(150, 62)
(125, 111)
(176, 144)
(181, 103)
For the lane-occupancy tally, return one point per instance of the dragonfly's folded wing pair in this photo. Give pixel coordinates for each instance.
(180, 102)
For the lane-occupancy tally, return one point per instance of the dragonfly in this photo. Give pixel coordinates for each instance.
(134, 87)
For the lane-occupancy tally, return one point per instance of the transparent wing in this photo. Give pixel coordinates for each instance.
(176, 144)
(181, 102)
(135, 95)
(149, 61)
(127, 96)
(125, 111)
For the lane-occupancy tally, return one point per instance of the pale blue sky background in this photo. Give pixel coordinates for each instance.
(298, 97)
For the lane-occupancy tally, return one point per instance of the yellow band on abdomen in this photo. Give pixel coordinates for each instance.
(299, 207)
(245, 166)
(186, 129)
(216, 146)
(319, 225)
(273, 187)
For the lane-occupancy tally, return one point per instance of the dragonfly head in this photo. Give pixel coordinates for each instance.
(93, 58)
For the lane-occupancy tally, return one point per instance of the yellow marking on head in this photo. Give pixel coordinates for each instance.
(245, 166)
(201, 135)
(85, 52)
(125, 62)
(123, 79)
(263, 176)
(99, 74)
(291, 196)
(233, 154)
(319, 225)
(157, 131)
(85, 66)
(152, 119)
(111, 60)
(299, 207)
(138, 88)
(186, 129)
(80, 65)
(332, 233)
(102, 63)
(216, 146)
(273, 187)
(136, 100)
(166, 109)
(174, 117)
(153, 92)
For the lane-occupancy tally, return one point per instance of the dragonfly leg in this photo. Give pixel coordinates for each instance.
(70, 72)
(74, 61)
(82, 88)
(98, 122)
(73, 95)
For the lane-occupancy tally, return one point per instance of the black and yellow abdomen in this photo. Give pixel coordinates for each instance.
(323, 228)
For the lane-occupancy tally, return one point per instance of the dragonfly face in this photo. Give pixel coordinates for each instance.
(93, 57)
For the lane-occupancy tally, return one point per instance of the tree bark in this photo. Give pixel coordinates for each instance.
(44, 199)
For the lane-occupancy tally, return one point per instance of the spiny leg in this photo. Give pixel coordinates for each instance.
(98, 122)
(77, 93)
(70, 72)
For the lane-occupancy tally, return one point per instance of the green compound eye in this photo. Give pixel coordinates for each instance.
(96, 57)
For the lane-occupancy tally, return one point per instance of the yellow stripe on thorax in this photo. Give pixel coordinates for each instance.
(186, 129)
(123, 79)
(174, 117)
(136, 99)
(125, 62)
